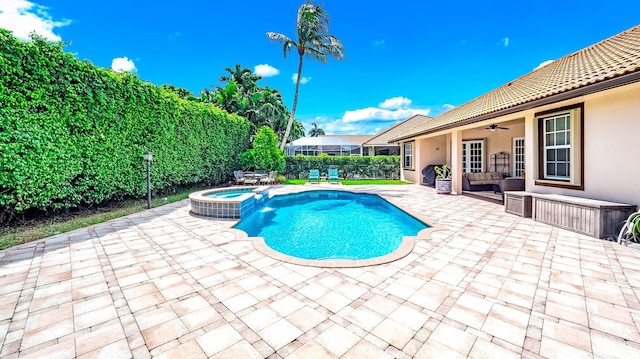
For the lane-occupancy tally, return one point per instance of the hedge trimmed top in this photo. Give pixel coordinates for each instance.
(72, 133)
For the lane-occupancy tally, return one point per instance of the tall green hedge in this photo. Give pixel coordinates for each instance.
(377, 167)
(72, 133)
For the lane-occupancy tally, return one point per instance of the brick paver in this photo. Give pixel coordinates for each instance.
(163, 283)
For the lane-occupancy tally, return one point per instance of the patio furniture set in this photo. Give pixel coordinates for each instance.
(253, 178)
(491, 181)
(331, 175)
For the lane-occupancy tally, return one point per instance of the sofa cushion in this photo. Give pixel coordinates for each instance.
(484, 182)
(483, 176)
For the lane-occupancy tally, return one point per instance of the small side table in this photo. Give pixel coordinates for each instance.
(518, 203)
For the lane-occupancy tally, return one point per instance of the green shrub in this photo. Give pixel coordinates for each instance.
(73, 134)
(265, 154)
(350, 167)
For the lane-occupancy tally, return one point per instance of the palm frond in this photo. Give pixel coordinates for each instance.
(287, 43)
(333, 47)
(312, 19)
(316, 54)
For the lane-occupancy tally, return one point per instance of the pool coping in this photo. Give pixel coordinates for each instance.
(199, 196)
(221, 208)
(405, 248)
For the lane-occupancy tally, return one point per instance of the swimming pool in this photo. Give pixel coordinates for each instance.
(229, 202)
(331, 225)
(232, 193)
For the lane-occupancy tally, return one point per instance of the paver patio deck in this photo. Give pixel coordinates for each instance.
(165, 284)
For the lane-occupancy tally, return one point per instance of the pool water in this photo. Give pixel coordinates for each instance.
(331, 225)
(228, 194)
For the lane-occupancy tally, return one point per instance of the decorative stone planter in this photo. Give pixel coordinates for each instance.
(443, 186)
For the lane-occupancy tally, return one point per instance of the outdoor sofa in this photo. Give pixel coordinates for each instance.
(481, 181)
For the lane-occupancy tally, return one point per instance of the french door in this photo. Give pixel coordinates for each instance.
(518, 156)
(473, 156)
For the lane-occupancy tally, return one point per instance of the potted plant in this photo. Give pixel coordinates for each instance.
(630, 233)
(443, 179)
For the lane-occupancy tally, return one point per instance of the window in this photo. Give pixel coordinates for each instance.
(557, 146)
(560, 143)
(408, 154)
(518, 156)
(473, 156)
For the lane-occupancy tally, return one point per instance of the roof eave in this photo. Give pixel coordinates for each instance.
(567, 95)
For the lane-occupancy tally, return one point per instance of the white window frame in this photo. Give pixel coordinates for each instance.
(518, 156)
(571, 139)
(407, 155)
(557, 139)
(469, 157)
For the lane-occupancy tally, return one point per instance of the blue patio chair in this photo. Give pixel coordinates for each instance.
(314, 175)
(332, 174)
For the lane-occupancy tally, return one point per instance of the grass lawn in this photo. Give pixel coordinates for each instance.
(350, 182)
(12, 236)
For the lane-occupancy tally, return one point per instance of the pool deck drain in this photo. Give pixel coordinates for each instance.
(167, 284)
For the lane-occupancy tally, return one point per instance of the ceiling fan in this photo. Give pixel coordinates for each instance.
(494, 127)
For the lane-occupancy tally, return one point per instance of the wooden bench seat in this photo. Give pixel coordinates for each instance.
(591, 217)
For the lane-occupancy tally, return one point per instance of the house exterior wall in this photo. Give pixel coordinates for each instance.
(497, 141)
(427, 151)
(611, 147)
(405, 173)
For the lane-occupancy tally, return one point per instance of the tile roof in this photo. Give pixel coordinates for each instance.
(382, 138)
(613, 57)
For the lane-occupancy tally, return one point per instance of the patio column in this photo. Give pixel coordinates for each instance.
(456, 161)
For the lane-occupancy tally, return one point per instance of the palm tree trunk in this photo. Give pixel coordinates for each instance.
(293, 109)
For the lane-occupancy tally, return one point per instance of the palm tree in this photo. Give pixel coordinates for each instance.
(244, 77)
(315, 131)
(297, 130)
(314, 41)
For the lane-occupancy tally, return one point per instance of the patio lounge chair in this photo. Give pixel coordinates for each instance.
(239, 177)
(270, 179)
(250, 178)
(314, 175)
(332, 175)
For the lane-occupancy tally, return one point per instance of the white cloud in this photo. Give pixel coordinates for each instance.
(122, 64)
(303, 80)
(337, 127)
(395, 102)
(391, 109)
(373, 113)
(265, 70)
(371, 120)
(504, 42)
(23, 17)
(544, 63)
(378, 43)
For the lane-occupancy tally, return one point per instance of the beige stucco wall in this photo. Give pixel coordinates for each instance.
(497, 141)
(426, 151)
(432, 151)
(407, 174)
(611, 147)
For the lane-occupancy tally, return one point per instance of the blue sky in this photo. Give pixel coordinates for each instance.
(402, 57)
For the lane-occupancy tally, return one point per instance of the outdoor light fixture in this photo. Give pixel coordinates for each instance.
(148, 157)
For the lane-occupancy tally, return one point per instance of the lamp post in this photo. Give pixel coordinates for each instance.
(148, 157)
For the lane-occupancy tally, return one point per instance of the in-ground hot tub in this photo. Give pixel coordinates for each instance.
(230, 202)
